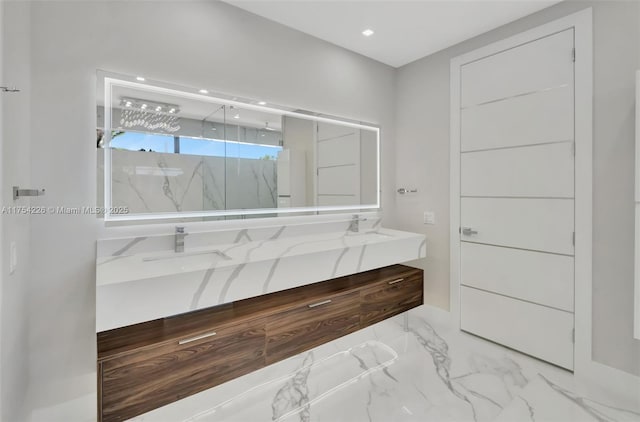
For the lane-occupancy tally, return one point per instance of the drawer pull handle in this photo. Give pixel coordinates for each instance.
(324, 302)
(396, 281)
(196, 338)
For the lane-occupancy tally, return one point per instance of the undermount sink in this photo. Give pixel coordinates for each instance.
(367, 236)
(159, 264)
(182, 255)
(368, 233)
(362, 239)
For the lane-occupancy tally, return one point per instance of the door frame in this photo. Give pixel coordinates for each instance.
(582, 23)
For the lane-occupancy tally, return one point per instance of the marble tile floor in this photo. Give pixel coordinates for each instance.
(383, 374)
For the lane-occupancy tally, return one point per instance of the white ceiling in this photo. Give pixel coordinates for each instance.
(404, 30)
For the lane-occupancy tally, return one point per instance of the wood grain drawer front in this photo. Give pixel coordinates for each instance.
(191, 365)
(390, 297)
(310, 325)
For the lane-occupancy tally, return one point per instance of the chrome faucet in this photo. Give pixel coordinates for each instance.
(179, 239)
(354, 225)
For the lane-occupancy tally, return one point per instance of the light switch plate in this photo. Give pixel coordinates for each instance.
(429, 217)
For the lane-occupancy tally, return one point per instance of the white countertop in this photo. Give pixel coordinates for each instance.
(141, 278)
(125, 268)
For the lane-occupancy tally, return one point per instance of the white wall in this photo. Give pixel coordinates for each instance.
(200, 44)
(422, 133)
(15, 171)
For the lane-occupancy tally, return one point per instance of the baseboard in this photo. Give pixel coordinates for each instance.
(620, 383)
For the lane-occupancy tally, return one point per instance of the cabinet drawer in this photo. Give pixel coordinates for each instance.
(391, 297)
(311, 324)
(190, 365)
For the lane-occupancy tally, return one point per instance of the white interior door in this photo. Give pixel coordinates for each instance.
(517, 198)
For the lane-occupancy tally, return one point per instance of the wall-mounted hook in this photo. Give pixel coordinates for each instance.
(9, 89)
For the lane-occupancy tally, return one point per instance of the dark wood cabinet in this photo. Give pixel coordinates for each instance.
(387, 298)
(149, 379)
(144, 366)
(311, 324)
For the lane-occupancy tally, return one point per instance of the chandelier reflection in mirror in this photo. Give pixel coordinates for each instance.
(150, 115)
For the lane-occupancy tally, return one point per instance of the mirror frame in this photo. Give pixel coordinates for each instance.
(107, 80)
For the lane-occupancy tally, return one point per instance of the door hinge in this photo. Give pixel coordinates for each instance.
(573, 148)
(459, 230)
(573, 335)
(573, 238)
(573, 54)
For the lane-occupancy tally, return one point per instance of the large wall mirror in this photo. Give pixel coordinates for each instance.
(176, 152)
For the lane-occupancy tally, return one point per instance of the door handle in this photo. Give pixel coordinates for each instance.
(468, 231)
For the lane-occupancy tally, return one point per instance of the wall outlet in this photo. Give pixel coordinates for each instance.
(429, 217)
(13, 257)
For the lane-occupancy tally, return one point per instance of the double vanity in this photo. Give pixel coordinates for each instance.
(171, 324)
(201, 304)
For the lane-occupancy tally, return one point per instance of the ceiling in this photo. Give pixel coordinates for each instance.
(404, 30)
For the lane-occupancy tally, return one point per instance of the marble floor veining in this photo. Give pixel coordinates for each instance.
(381, 374)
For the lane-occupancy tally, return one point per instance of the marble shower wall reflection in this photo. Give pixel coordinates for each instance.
(152, 182)
(253, 182)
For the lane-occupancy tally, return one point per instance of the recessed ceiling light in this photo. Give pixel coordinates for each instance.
(173, 110)
(143, 106)
(237, 116)
(262, 102)
(140, 78)
(367, 32)
(204, 91)
(158, 108)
